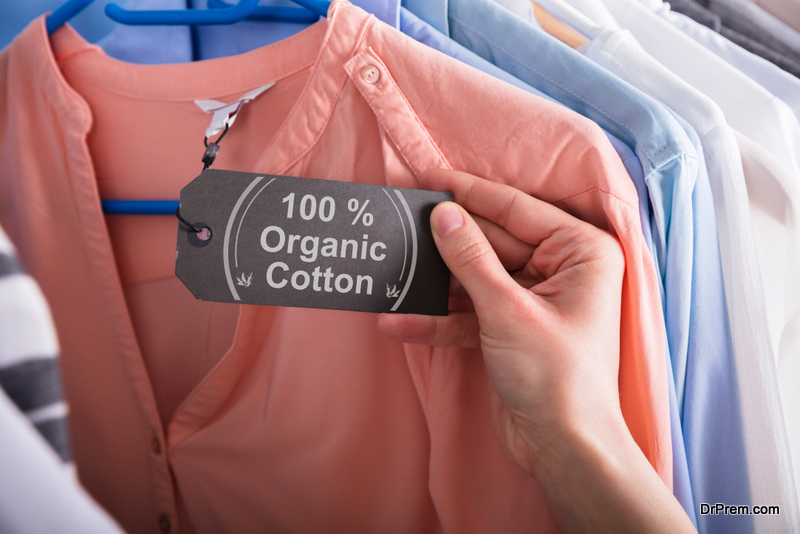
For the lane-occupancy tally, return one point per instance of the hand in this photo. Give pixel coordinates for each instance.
(546, 291)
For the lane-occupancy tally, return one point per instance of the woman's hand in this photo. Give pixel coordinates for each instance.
(546, 291)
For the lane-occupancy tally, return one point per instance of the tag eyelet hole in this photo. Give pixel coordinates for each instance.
(201, 238)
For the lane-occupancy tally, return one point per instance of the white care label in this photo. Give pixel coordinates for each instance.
(286, 241)
(224, 115)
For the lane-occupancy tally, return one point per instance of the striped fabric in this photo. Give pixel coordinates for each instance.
(29, 371)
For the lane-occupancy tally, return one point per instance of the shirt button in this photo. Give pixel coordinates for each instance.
(156, 445)
(164, 523)
(370, 74)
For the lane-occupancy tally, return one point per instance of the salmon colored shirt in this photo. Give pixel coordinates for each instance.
(191, 416)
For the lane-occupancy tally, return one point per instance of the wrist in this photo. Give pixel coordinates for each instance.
(598, 480)
(586, 471)
(601, 444)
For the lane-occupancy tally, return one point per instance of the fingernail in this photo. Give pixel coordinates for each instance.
(446, 218)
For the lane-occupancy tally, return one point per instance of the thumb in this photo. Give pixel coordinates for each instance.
(469, 256)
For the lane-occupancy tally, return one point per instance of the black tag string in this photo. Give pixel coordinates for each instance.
(189, 225)
(212, 150)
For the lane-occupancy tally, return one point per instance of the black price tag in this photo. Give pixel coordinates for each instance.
(286, 241)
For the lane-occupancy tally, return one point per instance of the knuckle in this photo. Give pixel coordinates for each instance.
(611, 249)
(605, 251)
(466, 193)
(463, 332)
(471, 254)
(432, 332)
(511, 200)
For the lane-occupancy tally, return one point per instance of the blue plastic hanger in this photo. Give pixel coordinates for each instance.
(320, 7)
(265, 13)
(222, 13)
(219, 14)
(180, 17)
(65, 12)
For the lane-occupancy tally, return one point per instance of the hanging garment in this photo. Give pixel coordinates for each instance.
(342, 430)
(29, 370)
(392, 12)
(421, 31)
(780, 83)
(774, 196)
(424, 33)
(765, 441)
(708, 18)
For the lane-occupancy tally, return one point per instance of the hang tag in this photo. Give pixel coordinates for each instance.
(286, 241)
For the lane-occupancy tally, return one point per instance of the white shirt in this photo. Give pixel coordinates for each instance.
(774, 206)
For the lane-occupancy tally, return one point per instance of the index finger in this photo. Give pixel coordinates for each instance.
(523, 216)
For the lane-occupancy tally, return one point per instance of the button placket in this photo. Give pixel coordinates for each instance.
(374, 81)
(164, 491)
